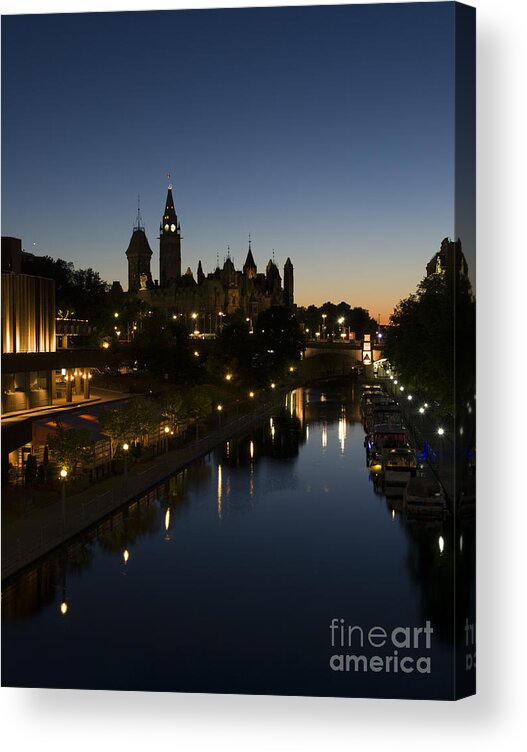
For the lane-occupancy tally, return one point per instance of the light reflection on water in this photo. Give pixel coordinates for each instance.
(240, 562)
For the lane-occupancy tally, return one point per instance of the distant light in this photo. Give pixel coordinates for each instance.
(125, 447)
(401, 388)
(196, 353)
(63, 608)
(116, 315)
(228, 376)
(441, 431)
(220, 408)
(106, 345)
(126, 555)
(194, 315)
(410, 397)
(441, 543)
(251, 394)
(421, 410)
(395, 381)
(273, 385)
(167, 429)
(291, 369)
(63, 473)
(426, 404)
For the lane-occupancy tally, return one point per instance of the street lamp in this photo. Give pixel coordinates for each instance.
(63, 475)
(125, 450)
(219, 409)
(228, 376)
(251, 394)
(167, 431)
(273, 385)
(441, 431)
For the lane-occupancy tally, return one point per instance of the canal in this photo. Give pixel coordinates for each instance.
(228, 577)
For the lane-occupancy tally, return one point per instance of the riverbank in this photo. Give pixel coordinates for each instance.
(28, 538)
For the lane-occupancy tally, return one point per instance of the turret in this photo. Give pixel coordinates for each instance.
(249, 268)
(139, 254)
(288, 283)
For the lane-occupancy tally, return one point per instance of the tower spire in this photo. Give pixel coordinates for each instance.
(139, 224)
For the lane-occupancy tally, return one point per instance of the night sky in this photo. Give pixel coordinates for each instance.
(325, 132)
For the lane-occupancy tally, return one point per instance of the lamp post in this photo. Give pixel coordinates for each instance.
(125, 450)
(167, 431)
(63, 476)
(440, 433)
(219, 409)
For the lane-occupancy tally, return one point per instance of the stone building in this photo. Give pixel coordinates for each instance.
(204, 297)
(449, 257)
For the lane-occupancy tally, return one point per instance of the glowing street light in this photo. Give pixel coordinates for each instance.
(251, 394)
(421, 410)
(441, 431)
(116, 315)
(410, 398)
(273, 385)
(125, 450)
(63, 608)
(441, 543)
(401, 388)
(126, 555)
(63, 476)
(228, 376)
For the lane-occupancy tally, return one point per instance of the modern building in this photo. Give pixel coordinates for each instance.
(36, 374)
(210, 296)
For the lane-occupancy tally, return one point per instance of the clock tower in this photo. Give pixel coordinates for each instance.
(169, 245)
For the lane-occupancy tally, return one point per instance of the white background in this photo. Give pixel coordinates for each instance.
(60, 720)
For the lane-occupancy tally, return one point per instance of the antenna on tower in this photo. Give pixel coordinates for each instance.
(139, 224)
(273, 256)
(249, 241)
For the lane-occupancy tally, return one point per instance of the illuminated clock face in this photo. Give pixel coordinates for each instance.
(166, 228)
(173, 228)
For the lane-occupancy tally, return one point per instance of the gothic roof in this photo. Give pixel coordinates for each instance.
(138, 245)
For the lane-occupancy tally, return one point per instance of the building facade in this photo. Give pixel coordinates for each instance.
(206, 297)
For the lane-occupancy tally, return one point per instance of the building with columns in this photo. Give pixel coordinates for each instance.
(226, 290)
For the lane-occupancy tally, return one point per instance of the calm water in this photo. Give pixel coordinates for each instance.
(227, 577)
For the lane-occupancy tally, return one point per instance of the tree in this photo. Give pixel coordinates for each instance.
(173, 407)
(232, 353)
(198, 405)
(422, 343)
(70, 447)
(129, 422)
(279, 343)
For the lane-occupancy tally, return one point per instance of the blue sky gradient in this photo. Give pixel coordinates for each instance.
(326, 132)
